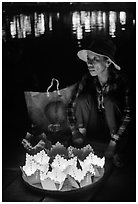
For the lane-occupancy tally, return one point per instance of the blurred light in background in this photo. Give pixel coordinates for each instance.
(99, 20)
(112, 23)
(20, 26)
(13, 28)
(122, 17)
(58, 15)
(93, 19)
(82, 24)
(39, 24)
(50, 23)
(134, 21)
(75, 22)
(79, 32)
(85, 20)
(104, 19)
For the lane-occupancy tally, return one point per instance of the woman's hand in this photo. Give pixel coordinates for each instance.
(27, 145)
(42, 143)
(77, 138)
(33, 149)
(110, 151)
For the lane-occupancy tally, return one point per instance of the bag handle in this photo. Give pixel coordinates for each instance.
(53, 79)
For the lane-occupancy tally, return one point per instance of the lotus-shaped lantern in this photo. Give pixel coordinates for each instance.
(63, 169)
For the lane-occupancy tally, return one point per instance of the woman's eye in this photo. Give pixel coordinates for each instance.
(96, 59)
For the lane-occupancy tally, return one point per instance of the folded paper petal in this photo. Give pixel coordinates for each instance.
(58, 148)
(76, 173)
(57, 175)
(87, 180)
(73, 182)
(59, 162)
(33, 178)
(67, 186)
(41, 157)
(43, 168)
(48, 184)
(30, 167)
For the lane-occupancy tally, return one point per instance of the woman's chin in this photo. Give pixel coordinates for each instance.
(93, 73)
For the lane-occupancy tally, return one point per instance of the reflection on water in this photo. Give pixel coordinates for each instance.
(50, 23)
(20, 26)
(112, 23)
(82, 23)
(123, 17)
(39, 24)
(87, 22)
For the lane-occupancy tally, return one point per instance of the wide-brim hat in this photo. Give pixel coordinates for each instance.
(101, 47)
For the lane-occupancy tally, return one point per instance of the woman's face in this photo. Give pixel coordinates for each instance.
(96, 64)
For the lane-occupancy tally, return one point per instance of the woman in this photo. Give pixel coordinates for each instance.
(100, 103)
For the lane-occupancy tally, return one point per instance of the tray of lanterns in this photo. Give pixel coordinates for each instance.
(64, 171)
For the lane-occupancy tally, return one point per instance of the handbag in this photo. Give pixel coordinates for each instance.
(48, 110)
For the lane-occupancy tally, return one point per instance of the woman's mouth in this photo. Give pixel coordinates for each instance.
(91, 70)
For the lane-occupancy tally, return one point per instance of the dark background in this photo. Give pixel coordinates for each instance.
(30, 63)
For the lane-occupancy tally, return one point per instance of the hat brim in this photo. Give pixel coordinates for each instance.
(82, 54)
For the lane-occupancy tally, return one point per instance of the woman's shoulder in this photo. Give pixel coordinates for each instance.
(119, 77)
